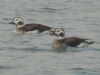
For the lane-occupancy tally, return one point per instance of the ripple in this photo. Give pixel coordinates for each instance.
(83, 71)
(49, 10)
(7, 67)
(77, 69)
(31, 49)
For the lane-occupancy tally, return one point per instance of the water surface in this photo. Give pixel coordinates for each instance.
(32, 54)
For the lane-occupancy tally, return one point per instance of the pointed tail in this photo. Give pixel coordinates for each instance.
(91, 42)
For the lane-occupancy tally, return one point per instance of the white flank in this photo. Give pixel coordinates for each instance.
(19, 26)
(60, 37)
(83, 44)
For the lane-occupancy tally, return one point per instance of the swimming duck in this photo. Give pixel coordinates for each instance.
(61, 41)
(22, 28)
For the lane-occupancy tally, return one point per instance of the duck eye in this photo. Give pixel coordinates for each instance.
(58, 30)
(16, 20)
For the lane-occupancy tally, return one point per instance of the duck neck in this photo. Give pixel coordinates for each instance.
(20, 26)
(60, 37)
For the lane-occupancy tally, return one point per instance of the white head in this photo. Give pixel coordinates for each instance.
(17, 21)
(59, 32)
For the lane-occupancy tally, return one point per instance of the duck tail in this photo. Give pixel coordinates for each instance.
(91, 42)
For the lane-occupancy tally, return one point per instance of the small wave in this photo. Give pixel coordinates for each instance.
(6, 67)
(77, 69)
(49, 10)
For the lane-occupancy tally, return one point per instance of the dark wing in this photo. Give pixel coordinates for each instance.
(39, 27)
(43, 28)
(31, 27)
(73, 41)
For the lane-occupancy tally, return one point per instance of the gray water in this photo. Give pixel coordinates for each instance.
(32, 53)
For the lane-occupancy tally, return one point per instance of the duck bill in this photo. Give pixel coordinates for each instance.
(11, 23)
(52, 31)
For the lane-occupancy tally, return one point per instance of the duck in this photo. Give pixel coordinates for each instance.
(62, 42)
(22, 28)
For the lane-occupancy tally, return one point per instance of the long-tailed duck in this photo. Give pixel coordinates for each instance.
(63, 41)
(22, 28)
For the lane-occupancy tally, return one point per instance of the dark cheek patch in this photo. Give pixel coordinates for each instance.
(61, 34)
(20, 23)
